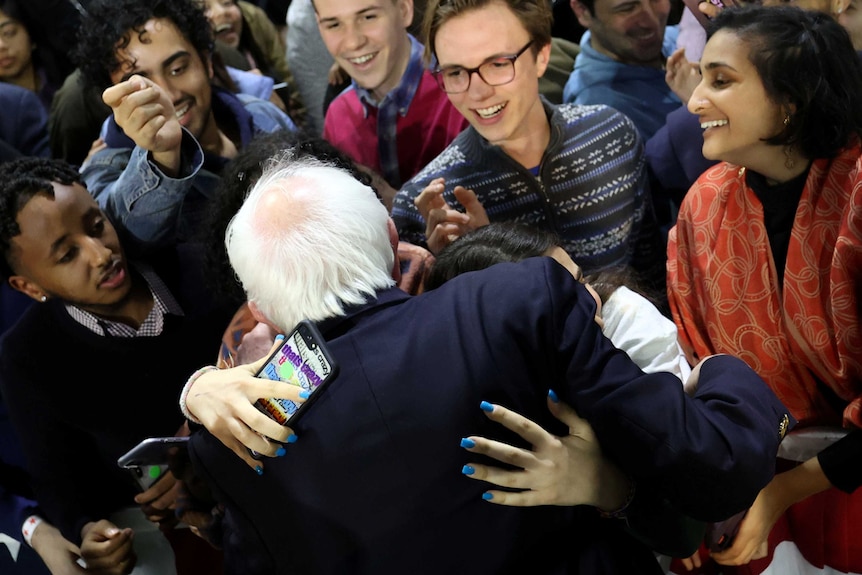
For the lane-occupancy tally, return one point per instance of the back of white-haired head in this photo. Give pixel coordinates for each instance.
(309, 240)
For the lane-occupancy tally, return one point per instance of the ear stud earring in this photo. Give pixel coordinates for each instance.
(43, 299)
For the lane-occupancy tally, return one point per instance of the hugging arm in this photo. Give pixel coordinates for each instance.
(571, 470)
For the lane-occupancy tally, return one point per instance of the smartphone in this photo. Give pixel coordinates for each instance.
(719, 536)
(301, 360)
(148, 460)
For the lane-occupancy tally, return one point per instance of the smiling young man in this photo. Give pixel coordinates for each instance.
(577, 171)
(392, 119)
(171, 130)
(622, 60)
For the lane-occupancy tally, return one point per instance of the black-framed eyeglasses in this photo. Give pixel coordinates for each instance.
(495, 72)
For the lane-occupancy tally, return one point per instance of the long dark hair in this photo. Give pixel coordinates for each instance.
(49, 55)
(808, 65)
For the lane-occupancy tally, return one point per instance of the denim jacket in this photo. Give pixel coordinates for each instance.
(153, 210)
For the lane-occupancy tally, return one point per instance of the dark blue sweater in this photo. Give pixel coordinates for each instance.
(79, 400)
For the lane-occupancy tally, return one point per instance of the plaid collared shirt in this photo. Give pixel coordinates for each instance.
(163, 303)
(395, 103)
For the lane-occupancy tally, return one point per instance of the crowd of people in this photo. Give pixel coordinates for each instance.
(592, 295)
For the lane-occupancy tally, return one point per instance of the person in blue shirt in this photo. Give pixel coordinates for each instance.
(622, 60)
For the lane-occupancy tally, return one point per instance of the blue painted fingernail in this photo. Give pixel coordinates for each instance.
(553, 395)
(304, 394)
(487, 496)
(486, 406)
(292, 438)
(259, 470)
(468, 443)
(280, 452)
(468, 470)
(279, 337)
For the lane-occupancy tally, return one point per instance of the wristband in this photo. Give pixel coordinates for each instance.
(188, 386)
(620, 512)
(29, 527)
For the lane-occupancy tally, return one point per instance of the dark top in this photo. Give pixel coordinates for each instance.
(841, 462)
(23, 124)
(79, 400)
(779, 202)
(374, 483)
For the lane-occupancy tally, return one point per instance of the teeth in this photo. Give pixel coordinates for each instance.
(712, 124)
(180, 112)
(362, 59)
(488, 112)
(222, 28)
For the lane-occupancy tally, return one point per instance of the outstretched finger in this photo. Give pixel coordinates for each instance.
(431, 197)
(495, 475)
(502, 452)
(577, 425)
(473, 207)
(513, 498)
(115, 94)
(527, 429)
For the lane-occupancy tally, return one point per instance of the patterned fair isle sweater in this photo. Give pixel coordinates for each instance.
(592, 189)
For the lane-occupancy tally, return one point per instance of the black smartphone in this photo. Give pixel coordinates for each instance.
(719, 535)
(302, 360)
(148, 460)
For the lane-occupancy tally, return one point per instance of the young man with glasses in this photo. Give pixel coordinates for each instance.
(577, 171)
(392, 119)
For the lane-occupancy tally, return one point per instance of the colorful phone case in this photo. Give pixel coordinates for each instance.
(302, 360)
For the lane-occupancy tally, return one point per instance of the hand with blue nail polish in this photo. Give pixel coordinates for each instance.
(224, 402)
(567, 470)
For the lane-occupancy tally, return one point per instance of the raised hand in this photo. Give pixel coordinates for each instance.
(568, 470)
(146, 114)
(106, 549)
(682, 76)
(443, 223)
(223, 400)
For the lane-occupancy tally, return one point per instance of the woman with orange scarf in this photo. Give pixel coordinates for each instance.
(765, 263)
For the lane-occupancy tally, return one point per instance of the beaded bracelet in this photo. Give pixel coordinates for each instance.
(620, 512)
(29, 527)
(187, 388)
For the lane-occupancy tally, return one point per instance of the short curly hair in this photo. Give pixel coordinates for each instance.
(20, 180)
(109, 25)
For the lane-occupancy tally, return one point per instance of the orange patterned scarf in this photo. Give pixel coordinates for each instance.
(724, 293)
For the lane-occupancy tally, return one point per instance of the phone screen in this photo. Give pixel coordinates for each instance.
(147, 475)
(148, 460)
(301, 360)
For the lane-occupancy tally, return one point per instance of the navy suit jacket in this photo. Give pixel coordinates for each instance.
(23, 124)
(374, 483)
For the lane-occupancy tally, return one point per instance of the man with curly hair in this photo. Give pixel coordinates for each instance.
(172, 130)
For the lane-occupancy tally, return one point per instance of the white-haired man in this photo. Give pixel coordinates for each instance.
(372, 485)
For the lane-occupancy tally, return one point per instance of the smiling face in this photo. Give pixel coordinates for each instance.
(629, 31)
(226, 20)
(368, 39)
(511, 115)
(734, 109)
(162, 54)
(68, 249)
(15, 50)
